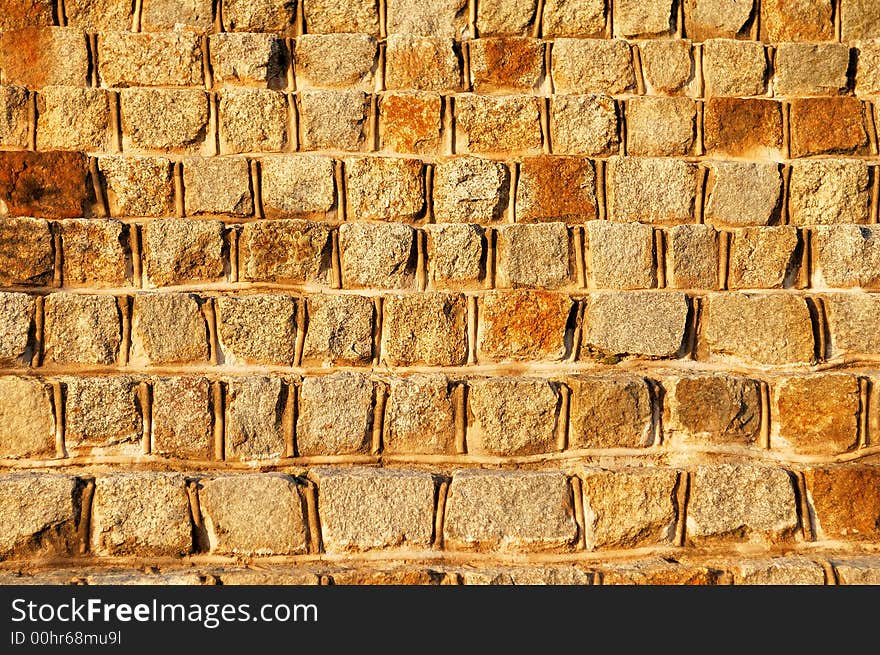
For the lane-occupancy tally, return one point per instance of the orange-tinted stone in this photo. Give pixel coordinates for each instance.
(410, 121)
(818, 414)
(523, 325)
(846, 501)
(25, 13)
(53, 184)
(40, 56)
(556, 189)
(658, 572)
(797, 20)
(504, 64)
(743, 127)
(827, 125)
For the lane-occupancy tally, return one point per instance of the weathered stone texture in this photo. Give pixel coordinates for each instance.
(641, 323)
(285, 251)
(653, 190)
(556, 189)
(44, 56)
(497, 124)
(822, 126)
(668, 66)
(734, 68)
(169, 327)
(523, 325)
(137, 186)
(421, 63)
(692, 257)
(72, 118)
(762, 257)
(27, 423)
(102, 412)
(380, 256)
(254, 408)
(164, 119)
(845, 501)
(26, 252)
(142, 59)
(811, 69)
(335, 415)
(340, 329)
(419, 416)
(428, 329)
(17, 313)
(39, 513)
(382, 188)
(592, 66)
(177, 251)
(573, 18)
(620, 255)
(183, 418)
(455, 255)
(94, 253)
(219, 185)
(336, 60)
(846, 255)
(409, 121)
(797, 20)
(258, 15)
(243, 58)
(297, 185)
(470, 189)
(252, 120)
(851, 324)
(610, 412)
(516, 416)
(584, 124)
(257, 328)
(704, 19)
(533, 256)
(53, 184)
(660, 126)
(743, 127)
(506, 64)
(742, 193)
(713, 409)
(332, 120)
(823, 191)
(84, 329)
(817, 414)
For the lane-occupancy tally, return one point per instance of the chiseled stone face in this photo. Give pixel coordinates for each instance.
(296, 185)
(421, 63)
(27, 423)
(743, 127)
(742, 193)
(455, 255)
(846, 256)
(335, 415)
(642, 17)
(409, 121)
(704, 19)
(252, 120)
(734, 68)
(52, 184)
(249, 58)
(377, 256)
(14, 127)
(16, 318)
(827, 126)
(804, 69)
(383, 188)
(428, 328)
(81, 329)
(660, 126)
(102, 412)
(788, 570)
(94, 253)
(533, 256)
(138, 186)
(356, 16)
(254, 408)
(668, 66)
(651, 189)
(523, 325)
(258, 15)
(641, 323)
(446, 18)
(419, 416)
(852, 323)
(620, 255)
(340, 329)
(336, 60)
(285, 251)
(506, 64)
(183, 418)
(169, 327)
(845, 501)
(470, 189)
(692, 257)
(817, 414)
(763, 257)
(129, 59)
(257, 328)
(34, 504)
(797, 20)
(824, 191)
(584, 124)
(180, 251)
(592, 66)
(497, 124)
(556, 189)
(613, 411)
(219, 185)
(573, 18)
(712, 409)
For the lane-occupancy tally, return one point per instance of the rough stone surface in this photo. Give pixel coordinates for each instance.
(181, 250)
(741, 502)
(509, 511)
(220, 185)
(620, 255)
(573, 18)
(497, 124)
(828, 191)
(183, 418)
(428, 329)
(533, 256)
(332, 120)
(713, 409)
(788, 570)
(169, 327)
(296, 185)
(734, 68)
(858, 570)
(797, 20)
(692, 257)
(167, 15)
(257, 328)
(382, 188)
(72, 118)
(523, 325)
(845, 501)
(811, 68)
(340, 329)
(592, 66)
(374, 255)
(39, 512)
(506, 16)
(16, 318)
(846, 256)
(821, 126)
(409, 121)
(447, 18)
(27, 424)
(660, 126)
(817, 414)
(335, 415)
(82, 329)
(643, 323)
(742, 193)
(860, 20)
(53, 184)
(419, 416)
(512, 416)
(773, 329)
(243, 58)
(164, 119)
(704, 19)
(366, 508)
(609, 412)
(667, 65)
(254, 408)
(506, 64)
(253, 513)
(657, 572)
(421, 63)
(867, 74)
(743, 127)
(259, 16)
(44, 56)
(14, 128)
(643, 17)
(252, 120)
(26, 253)
(653, 190)
(101, 412)
(470, 189)
(143, 59)
(529, 575)
(762, 257)
(99, 15)
(455, 255)
(28, 13)
(585, 124)
(285, 251)
(852, 325)
(94, 253)
(143, 514)
(323, 16)
(137, 186)
(336, 60)
(556, 189)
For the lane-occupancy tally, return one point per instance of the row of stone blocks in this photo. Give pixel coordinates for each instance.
(358, 509)
(773, 20)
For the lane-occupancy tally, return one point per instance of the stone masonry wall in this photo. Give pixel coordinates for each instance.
(438, 291)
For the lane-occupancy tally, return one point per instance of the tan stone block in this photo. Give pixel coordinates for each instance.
(296, 185)
(497, 124)
(168, 328)
(219, 185)
(668, 65)
(340, 329)
(845, 501)
(382, 188)
(446, 18)
(828, 191)
(556, 189)
(183, 418)
(141, 513)
(692, 257)
(322, 16)
(421, 63)
(852, 323)
(811, 69)
(27, 423)
(797, 20)
(608, 411)
(643, 17)
(573, 18)
(409, 121)
(620, 255)
(846, 255)
(629, 508)
(533, 256)
(523, 325)
(332, 120)
(428, 329)
(29, 13)
(419, 416)
(38, 512)
(742, 193)
(277, 575)
(367, 508)
(249, 58)
(94, 252)
(289, 251)
(17, 312)
(860, 19)
(182, 251)
(469, 189)
(660, 126)
(773, 329)
(377, 255)
(858, 570)
(704, 19)
(743, 127)
(641, 323)
(26, 252)
(741, 502)
(712, 409)
(867, 75)
(143, 59)
(817, 414)
(14, 121)
(257, 328)
(827, 126)
(512, 416)
(508, 511)
(506, 64)
(72, 118)
(335, 415)
(99, 15)
(82, 329)
(528, 575)
(254, 408)
(253, 514)
(592, 66)
(653, 190)
(102, 412)
(788, 570)
(657, 572)
(395, 576)
(167, 15)
(336, 61)
(456, 255)
(584, 124)
(253, 120)
(763, 257)
(734, 68)
(44, 56)
(164, 119)
(259, 16)
(54, 184)
(506, 17)
(137, 186)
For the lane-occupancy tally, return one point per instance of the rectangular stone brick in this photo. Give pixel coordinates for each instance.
(805, 20)
(506, 17)
(512, 416)
(620, 255)
(27, 423)
(141, 514)
(497, 124)
(692, 257)
(584, 124)
(39, 513)
(743, 127)
(81, 329)
(857, 570)
(95, 252)
(846, 256)
(436, 17)
(787, 570)
(257, 328)
(860, 19)
(573, 18)
(852, 324)
(27, 14)
(533, 256)
(660, 126)
(709, 409)
(27, 255)
(805, 69)
(592, 66)
(421, 63)
(610, 411)
(258, 16)
(297, 185)
(277, 575)
(285, 251)
(571, 575)
(253, 514)
(163, 119)
(734, 68)
(182, 426)
(219, 185)
(705, 19)
(556, 189)
(845, 501)
(772, 329)
(523, 325)
(53, 184)
(741, 502)
(643, 17)
(332, 120)
(817, 414)
(668, 67)
(506, 64)
(823, 191)
(657, 571)
(419, 416)
(377, 255)
(743, 193)
(428, 329)
(629, 508)
(14, 121)
(470, 190)
(382, 188)
(822, 126)
(168, 328)
(867, 74)
(72, 118)
(137, 186)
(340, 329)
(249, 58)
(763, 257)
(410, 121)
(367, 508)
(44, 56)
(17, 312)
(166, 15)
(102, 414)
(323, 16)
(254, 408)
(145, 59)
(336, 61)
(653, 190)
(508, 511)
(335, 415)
(181, 251)
(640, 323)
(253, 120)
(99, 15)
(456, 255)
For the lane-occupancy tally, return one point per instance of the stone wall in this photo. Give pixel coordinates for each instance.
(428, 291)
